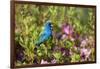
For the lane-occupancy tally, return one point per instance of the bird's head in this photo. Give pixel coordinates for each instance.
(48, 24)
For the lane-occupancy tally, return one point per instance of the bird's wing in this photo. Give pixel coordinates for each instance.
(42, 38)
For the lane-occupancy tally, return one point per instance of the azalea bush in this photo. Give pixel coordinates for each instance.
(73, 38)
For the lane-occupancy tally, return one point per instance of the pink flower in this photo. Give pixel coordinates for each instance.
(83, 43)
(67, 29)
(53, 61)
(85, 53)
(64, 36)
(44, 62)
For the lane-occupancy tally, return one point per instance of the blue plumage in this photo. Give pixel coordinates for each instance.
(46, 34)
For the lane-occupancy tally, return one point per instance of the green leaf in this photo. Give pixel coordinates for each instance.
(75, 58)
(57, 55)
(69, 44)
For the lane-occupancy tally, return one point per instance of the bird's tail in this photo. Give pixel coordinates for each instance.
(37, 44)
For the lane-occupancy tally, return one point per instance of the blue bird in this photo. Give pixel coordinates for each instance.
(46, 34)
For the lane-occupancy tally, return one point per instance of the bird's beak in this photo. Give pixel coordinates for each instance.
(51, 25)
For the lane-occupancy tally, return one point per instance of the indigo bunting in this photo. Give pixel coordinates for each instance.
(46, 34)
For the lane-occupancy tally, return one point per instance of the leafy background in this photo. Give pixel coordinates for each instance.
(29, 22)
